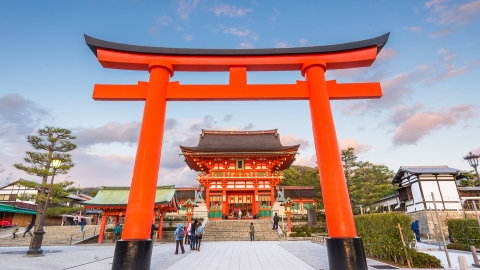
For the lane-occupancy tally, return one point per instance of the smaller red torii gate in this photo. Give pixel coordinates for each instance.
(345, 249)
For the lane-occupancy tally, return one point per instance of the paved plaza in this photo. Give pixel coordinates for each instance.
(213, 255)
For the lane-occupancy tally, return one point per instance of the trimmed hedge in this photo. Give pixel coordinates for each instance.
(464, 231)
(305, 231)
(381, 239)
(458, 246)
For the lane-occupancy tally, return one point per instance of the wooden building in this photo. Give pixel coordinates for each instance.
(239, 170)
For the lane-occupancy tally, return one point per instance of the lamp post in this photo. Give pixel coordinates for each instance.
(288, 204)
(189, 205)
(35, 249)
(473, 161)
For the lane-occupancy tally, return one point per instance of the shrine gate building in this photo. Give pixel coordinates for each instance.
(239, 169)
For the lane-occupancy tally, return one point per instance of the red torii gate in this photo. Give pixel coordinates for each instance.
(345, 249)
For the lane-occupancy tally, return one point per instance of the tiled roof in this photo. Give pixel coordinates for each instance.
(118, 196)
(429, 169)
(239, 141)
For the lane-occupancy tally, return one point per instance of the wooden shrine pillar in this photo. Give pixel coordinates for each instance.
(272, 194)
(207, 198)
(102, 229)
(225, 202)
(160, 227)
(255, 202)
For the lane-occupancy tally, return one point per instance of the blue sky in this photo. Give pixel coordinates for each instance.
(429, 73)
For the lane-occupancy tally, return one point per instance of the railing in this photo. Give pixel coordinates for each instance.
(83, 234)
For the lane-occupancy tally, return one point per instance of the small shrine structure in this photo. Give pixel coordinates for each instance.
(239, 170)
(112, 201)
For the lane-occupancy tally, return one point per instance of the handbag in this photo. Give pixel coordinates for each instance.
(250, 231)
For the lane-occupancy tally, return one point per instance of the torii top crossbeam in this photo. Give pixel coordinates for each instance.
(312, 62)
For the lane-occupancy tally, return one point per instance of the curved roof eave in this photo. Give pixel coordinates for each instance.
(95, 43)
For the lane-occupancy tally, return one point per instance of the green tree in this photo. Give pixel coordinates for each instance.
(58, 203)
(350, 163)
(369, 183)
(52, 142)
(298, 175)
(469, 179)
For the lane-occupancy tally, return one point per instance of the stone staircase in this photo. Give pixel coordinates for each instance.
(237, 230)
(54, 235)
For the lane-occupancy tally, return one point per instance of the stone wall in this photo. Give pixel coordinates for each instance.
(429, 223)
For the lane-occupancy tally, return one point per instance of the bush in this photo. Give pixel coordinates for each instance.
(464, 231)
(293, 234)
(423, 260)
(458, 246)
(302, 234)
(381, 237)
(309, 234)
(109, 230)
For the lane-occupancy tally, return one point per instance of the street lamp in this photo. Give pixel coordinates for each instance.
(35, 248)
(189, 205)
(473, 161)
(288, 204)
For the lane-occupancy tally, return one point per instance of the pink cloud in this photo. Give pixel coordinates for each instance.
(423, 123)
(185, 8)
(455, 14)
(415, 29)
(281, 45)
(442, 32)
(344, 144)
(310, 161)
(290, 139)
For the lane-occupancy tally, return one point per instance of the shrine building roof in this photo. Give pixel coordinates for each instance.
(118, 196)
(239, 141)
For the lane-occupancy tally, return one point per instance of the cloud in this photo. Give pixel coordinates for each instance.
(290, 139)
(310, 161)
(303, 41)
(227, 117)
(188, 37)
(250, 126)
(19, 116)
(108, 133)
(414, 29)
(402, 113)
(207, 123)
(442, 32)
(160, 22)
(281, 45)
(276, 14)
(239, 32)
(344, 144)
(185, 8)
(231, 11)
(460, 14)
(246, 45)
(422, 124)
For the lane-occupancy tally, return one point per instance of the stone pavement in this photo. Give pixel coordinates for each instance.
(213, 255)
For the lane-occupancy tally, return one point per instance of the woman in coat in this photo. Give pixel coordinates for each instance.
(178, 238)
(199, 234)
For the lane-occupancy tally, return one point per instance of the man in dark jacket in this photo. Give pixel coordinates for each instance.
(27, 230)
(275, 222)
(192, 235)
(416, 229)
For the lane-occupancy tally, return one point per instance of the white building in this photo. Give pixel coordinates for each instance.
(417, 183)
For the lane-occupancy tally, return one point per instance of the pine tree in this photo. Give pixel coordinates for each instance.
(52, 142)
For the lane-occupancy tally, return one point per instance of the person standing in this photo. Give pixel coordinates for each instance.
(116, 232)
(152, 231)
(199, 235)
(187, 233)
(275, 222)
(27, 230)
(252, 232)
(82, 224)
(75, 220)
(192, 235)
(416, 229)
(179, 235)
(239, 214)
(15, 230)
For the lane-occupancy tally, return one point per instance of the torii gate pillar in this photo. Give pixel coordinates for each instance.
(345, 249)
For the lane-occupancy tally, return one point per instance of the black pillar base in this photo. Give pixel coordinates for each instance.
(132, 255)
(346, 254)
(35, 248)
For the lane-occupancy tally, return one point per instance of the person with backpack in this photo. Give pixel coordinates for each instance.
(179, 235)
(82, 224)
(15, 230)
(116, 232)
(275, 222)
(192, 235)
